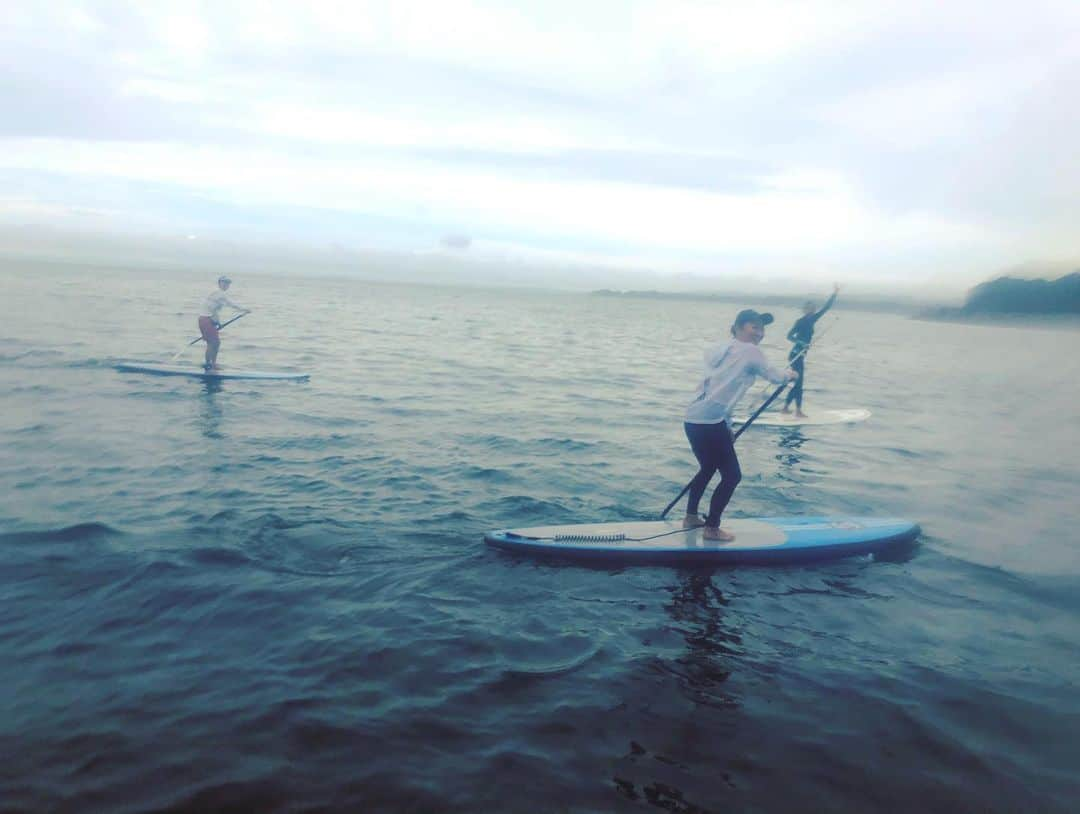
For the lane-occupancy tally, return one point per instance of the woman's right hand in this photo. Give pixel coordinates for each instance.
(791, 375)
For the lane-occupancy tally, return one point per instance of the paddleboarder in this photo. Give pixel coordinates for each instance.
(802, 334)
(730, 370)
(209, 320)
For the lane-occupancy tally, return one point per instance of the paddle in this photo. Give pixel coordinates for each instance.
(751, 419)
(197, 340)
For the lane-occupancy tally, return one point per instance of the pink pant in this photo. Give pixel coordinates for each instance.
(208, 329)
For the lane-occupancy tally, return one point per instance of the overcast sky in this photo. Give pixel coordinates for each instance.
(843, 140)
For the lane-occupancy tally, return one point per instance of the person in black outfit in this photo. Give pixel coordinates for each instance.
(802, 334)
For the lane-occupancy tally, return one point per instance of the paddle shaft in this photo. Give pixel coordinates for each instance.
(199, 339)
(734, 438)
(221, 327)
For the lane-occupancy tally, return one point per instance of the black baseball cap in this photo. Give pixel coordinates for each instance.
(750, 315)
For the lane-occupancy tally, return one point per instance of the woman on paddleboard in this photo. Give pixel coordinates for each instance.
(730, 369)
(802, 334)
(209, 321)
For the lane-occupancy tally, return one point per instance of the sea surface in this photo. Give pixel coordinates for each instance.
(274, 596)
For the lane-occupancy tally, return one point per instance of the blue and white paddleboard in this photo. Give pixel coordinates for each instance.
(757, 540)
(815, 417)
(199, 373)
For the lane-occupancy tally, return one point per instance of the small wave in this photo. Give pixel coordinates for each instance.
(39, 389)
(215, 520)
(898, 553)
(270, 522)
(526, 674)
(565, 444)
(315, 442)
(267, 793)
(70, 649)
(328, 421)
(451, 516)
(532, 445)
(906, 453)
(840, 588)
(218, 555)
(89, 363)
(68, 534)
(33, 353)
(617, 511)
(484, 473)
(1054, 590)
(523, 505)
(307, 547)
(412, 412)
(30, 430)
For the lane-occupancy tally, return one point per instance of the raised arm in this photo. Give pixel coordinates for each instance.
(828, 303)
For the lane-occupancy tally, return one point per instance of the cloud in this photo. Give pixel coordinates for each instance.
(457, 242)
(835, 131)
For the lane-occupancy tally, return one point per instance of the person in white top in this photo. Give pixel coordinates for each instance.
(209, 320)
(730, 369)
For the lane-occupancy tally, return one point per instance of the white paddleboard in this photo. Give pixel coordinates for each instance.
(199, 373)
(757, 540)
(814, 417)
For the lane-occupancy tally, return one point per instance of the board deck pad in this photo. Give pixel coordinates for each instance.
(850, 415)
(199, 373)
(760, 540)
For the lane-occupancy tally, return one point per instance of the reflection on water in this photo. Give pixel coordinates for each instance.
(791, 441)
(697, 606)
(210, 410)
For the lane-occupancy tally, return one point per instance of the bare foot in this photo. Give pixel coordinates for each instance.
(718, 534)
(692, 521)
(800, 414)
(786, 410)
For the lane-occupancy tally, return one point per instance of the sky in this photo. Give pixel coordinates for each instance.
(820, 141)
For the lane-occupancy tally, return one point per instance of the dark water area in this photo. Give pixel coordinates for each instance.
(260, 596)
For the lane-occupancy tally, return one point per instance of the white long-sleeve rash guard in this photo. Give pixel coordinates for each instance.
(730, 369)
(215, 302)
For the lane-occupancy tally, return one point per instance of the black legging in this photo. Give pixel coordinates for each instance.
(795, 393)
(715, 450)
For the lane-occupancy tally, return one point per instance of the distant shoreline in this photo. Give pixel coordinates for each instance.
(1003, 301)
(788, 301)
(959, 315)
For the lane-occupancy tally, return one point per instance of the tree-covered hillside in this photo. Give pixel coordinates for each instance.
(1008, 295)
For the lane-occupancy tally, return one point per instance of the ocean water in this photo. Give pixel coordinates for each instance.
(258, 596)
